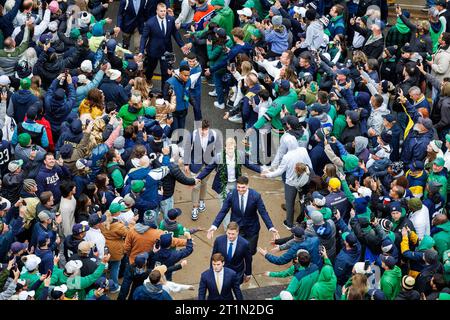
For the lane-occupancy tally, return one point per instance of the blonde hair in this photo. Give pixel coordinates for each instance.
(300, 168)
(108, 220)
(246, 68)
(141, 85)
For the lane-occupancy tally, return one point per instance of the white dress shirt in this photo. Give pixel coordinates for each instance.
(231, 168)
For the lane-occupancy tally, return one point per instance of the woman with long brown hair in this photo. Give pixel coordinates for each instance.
(93, 105)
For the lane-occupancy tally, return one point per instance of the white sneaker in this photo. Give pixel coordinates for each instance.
(116, 291)
(202, 206)
(219, 105)
(212, 93)
(194, 214)
(235, 119)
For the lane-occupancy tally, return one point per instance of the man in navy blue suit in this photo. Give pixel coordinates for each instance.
(245, 204)
(131, 18)
(220, 282)
(236, 251)
(157, 39)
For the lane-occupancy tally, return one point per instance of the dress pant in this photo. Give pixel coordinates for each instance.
(151, 63)
(252, 240)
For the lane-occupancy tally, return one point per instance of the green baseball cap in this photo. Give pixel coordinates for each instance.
(24, 139)
(116, 207)
(137, 185)
(256, 33)
(439, 161)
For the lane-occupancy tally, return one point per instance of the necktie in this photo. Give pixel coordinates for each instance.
(242, 204)
(162, 28)
(218, 284)
(230, 251)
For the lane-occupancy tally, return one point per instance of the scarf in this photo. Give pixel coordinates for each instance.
(401, 26)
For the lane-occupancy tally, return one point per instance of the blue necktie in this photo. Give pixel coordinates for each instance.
(230, 251)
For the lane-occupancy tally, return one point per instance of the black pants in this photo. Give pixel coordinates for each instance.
(151, 63)
(252, 240)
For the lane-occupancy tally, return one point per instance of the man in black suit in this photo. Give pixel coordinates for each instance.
(157, 39)
(219, 281)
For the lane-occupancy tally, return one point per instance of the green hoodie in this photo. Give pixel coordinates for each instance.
(351, 162)
(401, 26)
(339, 126)
(302, 282)
(426, 243)
(129, 117)
(440, 178)
(442, 238)
(325, 286)
(224, 18)
(390, 283)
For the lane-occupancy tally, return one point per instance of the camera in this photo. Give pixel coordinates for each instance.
(169, 58)
(4, 90)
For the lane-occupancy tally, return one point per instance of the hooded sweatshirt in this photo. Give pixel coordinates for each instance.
(325, 286)
(294, 155)
(390, 283)
(150, 291)
(361, 148)
(441, 236)
(278, 39)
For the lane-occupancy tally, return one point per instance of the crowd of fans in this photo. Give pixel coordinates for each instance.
(355, 110)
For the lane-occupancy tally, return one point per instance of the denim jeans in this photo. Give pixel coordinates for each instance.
(430, 3)
(166, 205)
(126, 283)
(114, 267)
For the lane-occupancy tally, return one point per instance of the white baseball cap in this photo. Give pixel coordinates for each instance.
(25, 294)
(245, 12)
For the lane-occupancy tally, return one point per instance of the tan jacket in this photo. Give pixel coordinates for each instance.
(115, 238)
(136, 243)
(163, 111)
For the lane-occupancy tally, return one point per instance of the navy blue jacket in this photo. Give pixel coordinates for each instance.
(415, 146)
(149, 291)
(129, 18)
(311, 244)
(70, 133)
(6, 21)
(230, 284)
(345, 260)
(20, 101)
(248, 221)
(56, 111)
(115, 92)
(242, 257)
(318, 158)
(169, 257)
(249, 116)
(155, 41)
(38, 229)
(46, 256)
